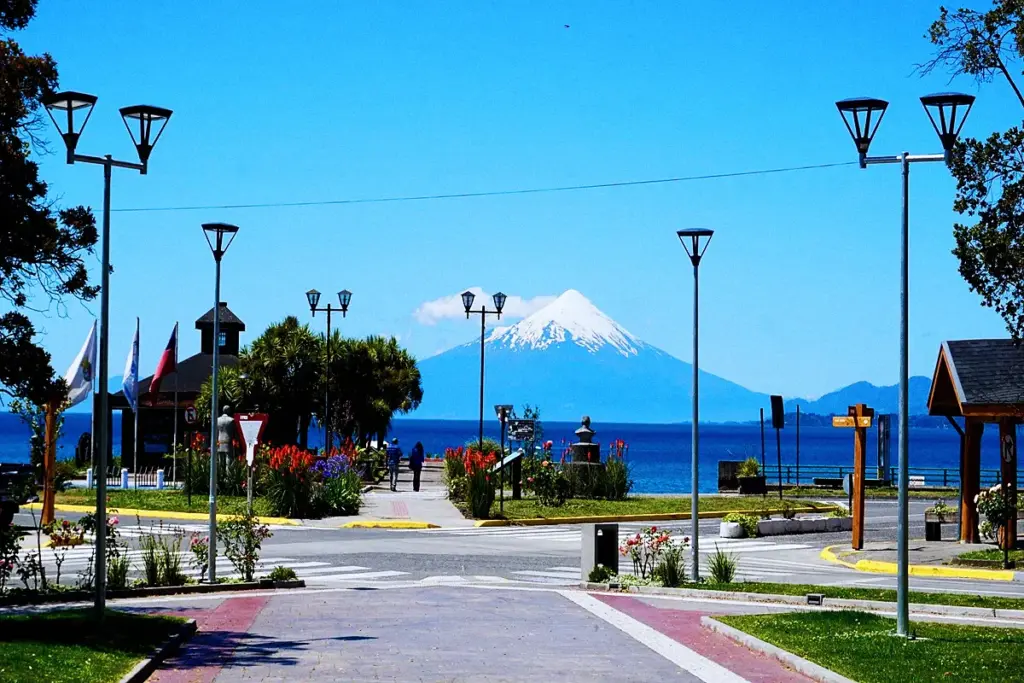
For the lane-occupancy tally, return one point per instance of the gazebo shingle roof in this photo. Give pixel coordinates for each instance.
(978, 376)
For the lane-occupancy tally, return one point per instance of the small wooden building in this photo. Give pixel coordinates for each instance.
(981, 381)
(156, 412)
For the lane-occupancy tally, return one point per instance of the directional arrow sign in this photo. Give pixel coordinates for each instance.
(851, 421)
(250, 426)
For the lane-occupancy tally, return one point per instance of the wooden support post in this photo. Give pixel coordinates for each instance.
(860, 441)
(1008, 468)
(860, 418)
(971, 480)
(49, 462)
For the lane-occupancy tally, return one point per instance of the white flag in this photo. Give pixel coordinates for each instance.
(130, 383)
(83, 369)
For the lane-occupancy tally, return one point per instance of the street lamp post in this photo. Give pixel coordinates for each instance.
(862, 116)
(695, 242)
(140, 117)
(216, 234)
(344, 299)
(499, 303)
(503, 411)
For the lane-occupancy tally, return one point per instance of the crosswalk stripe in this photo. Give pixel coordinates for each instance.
(365, 575)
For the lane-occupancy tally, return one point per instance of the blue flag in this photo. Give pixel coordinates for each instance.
(130, 384)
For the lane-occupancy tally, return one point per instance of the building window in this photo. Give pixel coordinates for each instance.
(222, 340)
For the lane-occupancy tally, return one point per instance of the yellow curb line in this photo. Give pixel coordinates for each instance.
(879, 567)
(166, 514)
(646, 517)
(389, 524)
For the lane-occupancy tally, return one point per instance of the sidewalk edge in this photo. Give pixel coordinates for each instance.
(880, 567)
(165, 514)
(804, 666)
(142, 671)
(646, 517)
(389, 524)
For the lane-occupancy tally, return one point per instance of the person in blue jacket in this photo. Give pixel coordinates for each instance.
(394, 454)
(416, 464)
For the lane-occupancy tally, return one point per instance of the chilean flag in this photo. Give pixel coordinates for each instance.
(168, 363)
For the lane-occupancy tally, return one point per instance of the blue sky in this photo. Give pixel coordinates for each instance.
(334, 100)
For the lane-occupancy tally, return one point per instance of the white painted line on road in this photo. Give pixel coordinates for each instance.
(677, 653)
(357, 577)
(573, 575)
(491, 579)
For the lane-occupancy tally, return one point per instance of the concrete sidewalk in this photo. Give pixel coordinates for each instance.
(405, 508)
(453, 634)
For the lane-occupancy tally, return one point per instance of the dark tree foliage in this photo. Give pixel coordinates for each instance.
(41, 250)
(988, 46)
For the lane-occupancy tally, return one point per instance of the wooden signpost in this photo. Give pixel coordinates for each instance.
(859, 418)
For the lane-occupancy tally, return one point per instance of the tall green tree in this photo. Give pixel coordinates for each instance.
(371, 380)
(988, 47)
(41, 257)
(280, 374)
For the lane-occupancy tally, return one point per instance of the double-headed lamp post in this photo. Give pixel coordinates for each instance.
(139, 119)
(499, 303)
(862, 115)
(695, 242)
(219, 236)
(344, 299)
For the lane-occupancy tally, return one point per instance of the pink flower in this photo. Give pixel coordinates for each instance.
(113, 521)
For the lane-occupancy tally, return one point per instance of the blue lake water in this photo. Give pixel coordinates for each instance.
(658, 454)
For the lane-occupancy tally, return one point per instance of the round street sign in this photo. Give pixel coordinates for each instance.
(190, 415)
(848, 484)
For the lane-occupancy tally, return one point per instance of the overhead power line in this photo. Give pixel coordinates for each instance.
(491, 193)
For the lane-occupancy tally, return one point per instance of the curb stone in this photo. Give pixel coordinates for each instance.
(880, 567)
(390, 524)
(165, 514)
(142, 671)
(828, 603)
(804, 666)
(646, 517)
(80, 596)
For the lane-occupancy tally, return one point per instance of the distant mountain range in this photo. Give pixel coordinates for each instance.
(570, 359)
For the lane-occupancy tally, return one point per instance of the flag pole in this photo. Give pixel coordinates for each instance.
(138, 405)
(174, 460)
(92, 413)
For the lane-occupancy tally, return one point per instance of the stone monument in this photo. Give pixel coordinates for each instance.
(225, 434)
(585, 450)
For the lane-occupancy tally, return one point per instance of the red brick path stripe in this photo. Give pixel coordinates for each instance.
(399, 509)
(202, 659)
(684, 627)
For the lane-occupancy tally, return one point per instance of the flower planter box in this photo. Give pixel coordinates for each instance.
(810, 525)
(752, 485)
(730, 530)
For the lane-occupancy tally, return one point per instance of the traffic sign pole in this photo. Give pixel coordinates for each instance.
(250, 426)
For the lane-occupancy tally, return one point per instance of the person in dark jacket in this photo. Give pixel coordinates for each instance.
(416, 464)
(394, 454)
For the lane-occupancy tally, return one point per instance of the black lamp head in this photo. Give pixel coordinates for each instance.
(862, 116)
(71, 106)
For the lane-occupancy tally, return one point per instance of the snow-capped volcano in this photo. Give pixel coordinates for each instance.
(570, 359)
(569, 318)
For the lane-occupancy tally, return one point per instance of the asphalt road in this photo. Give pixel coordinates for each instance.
(545, 556)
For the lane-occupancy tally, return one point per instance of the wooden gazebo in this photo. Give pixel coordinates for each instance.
(982, 381)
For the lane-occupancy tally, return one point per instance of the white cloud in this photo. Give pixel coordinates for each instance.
(432, 312)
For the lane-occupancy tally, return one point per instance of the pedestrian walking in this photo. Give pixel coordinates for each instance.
(416, 464)
(394, 454)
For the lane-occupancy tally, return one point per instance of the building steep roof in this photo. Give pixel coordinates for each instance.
(192, 372)
(983, 377)
(227, 318)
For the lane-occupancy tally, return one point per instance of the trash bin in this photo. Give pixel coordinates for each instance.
(600, 547)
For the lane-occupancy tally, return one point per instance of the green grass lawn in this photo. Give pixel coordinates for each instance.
(69, 647)
(860, 646)
(575, 507)
(880, 594)
(994, 554)
(171, 500)
(883, 492)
